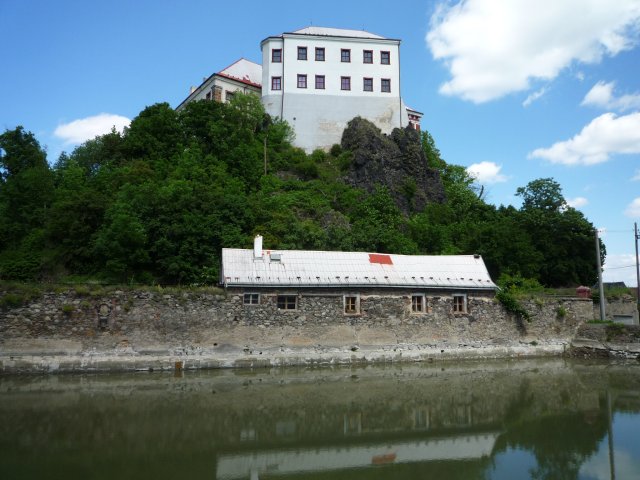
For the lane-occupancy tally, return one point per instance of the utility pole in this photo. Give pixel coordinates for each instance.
(600, 286)
(635, 225)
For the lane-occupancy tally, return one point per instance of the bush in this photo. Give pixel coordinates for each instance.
(11, 300)
(336, 150)
(512, 305)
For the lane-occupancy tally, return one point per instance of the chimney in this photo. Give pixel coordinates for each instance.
(192, 89)
(257, 247)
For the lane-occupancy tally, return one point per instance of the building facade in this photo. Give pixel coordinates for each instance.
(242, 76)
(317, 79)
(354, 284)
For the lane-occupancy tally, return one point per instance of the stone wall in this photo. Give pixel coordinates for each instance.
(612, 340)
(135, 330)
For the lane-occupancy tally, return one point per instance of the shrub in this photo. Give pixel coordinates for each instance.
(11, 300)
(512, 305)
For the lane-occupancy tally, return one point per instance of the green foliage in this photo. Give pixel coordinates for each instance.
(157, 203)
(11, 300)
(561, 312)
(512, 305)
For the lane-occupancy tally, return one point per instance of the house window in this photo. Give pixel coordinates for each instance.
(320, 82)
(351, 304)
(418, 304)
(228, 96)
(276, 83)
(367, 56)
(287, 302)
(345, 83)
(367, 85)
(385, 58)
(276, 55)
(302, 53)
(319, 54)
(460, 303)
(208, 96)
(217, 94)
(302, 81)
(345, 55)
(385, 85)
(251, 299)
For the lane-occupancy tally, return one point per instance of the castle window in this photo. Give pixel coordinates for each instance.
(287, 302)
(228, 96)
(367, 56)
(251, 299)
(351, 304)
(385, 85)
(319, 54)
(345, 55)
(302, 81)
(276, 83)
(460, 303)
(319, 82)
(208, 96)
(276, 55)
(345, 83)
(367, 85)
(385, 58)
(302, 53)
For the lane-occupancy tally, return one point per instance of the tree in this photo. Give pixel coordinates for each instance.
(544, 194)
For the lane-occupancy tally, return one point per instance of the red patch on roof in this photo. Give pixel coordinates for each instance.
(378, 258)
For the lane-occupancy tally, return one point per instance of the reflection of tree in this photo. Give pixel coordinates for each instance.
(560, 443)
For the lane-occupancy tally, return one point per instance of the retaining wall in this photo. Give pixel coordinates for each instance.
(141, 330)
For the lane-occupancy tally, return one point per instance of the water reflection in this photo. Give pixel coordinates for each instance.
(493, 420)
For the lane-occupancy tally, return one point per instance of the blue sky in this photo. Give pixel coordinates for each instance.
(513, 90)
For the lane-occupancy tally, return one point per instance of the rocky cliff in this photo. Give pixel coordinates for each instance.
(396, 161)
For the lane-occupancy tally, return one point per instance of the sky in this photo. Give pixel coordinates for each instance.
(514, 91)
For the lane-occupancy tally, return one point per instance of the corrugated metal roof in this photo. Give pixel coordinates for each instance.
(352, 269)
(337, 32)
(245, 71)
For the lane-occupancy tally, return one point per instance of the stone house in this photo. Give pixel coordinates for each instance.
(367, 287)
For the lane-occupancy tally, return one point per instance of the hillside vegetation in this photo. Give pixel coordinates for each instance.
(157, 203)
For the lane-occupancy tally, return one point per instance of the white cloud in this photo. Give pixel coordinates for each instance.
(495, 48)
(83, 129)
(577, 202)
(486, 172)
(598, 466)
(601, 95)
(636, 177)
(534, 96)
(580, 76)
(633, 209)
(606, 135)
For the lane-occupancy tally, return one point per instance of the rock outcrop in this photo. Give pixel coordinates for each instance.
(396, 161)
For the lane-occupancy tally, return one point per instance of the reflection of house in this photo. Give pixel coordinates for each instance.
(282, 462)
(318, 79)
(242, 76)
(353, 283)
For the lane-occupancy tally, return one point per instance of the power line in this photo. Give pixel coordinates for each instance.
(618, 268)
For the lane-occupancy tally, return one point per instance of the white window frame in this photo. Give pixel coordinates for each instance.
(464, 303)
(251, 296)
(424, 304)
(357, 306)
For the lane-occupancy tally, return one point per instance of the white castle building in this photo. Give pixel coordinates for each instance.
(317, 79)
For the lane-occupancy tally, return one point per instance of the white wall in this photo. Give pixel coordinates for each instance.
(319, 116)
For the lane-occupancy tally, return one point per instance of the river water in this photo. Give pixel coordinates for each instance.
(508, 419)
